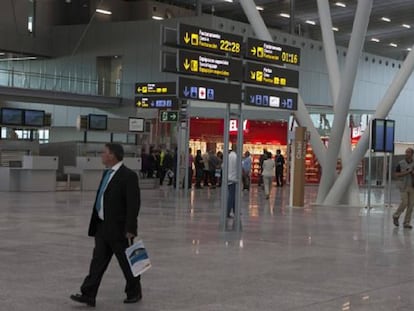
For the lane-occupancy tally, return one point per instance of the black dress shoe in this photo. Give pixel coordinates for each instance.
(395, 221)
(83, 299)
(132, 299)
(408, 226)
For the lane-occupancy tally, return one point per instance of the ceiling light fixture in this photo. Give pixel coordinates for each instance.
(231, 1)
(393, 45)
(386, 19)
(106, 12)
(285, 15)
(408, 49)
(335, 28)
(259, 8)
(18, 58)
(341, 4)
(375, 40)
(406, 26)
(310, 22)
(157, 18)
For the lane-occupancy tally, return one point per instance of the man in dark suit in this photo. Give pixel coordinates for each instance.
(113, 224)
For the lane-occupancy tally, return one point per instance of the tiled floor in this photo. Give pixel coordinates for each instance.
(312, 258)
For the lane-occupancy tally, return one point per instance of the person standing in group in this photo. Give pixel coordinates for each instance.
(261, 159)
(206, 169)
(280, 162)
(232, 181)
(169, 166)
(246, 169)
(268, 169)
(213, 164)
(199, 167)
(404, 172)
(113, 224)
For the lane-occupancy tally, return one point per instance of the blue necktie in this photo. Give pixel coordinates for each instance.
(102, 188)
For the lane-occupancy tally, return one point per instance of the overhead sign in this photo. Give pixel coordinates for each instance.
(269, 98)
(156, 102)
(155, 88)
(266, 51)
(169, 116)
(271, 75)
(209, 65)
(209, 40)
(204, 90)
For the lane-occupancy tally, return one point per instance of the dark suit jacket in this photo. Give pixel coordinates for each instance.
(121, 204)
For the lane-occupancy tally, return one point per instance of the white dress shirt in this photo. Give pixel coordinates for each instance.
(114, 169)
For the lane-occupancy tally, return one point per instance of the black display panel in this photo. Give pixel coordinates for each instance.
(271, 52)
(378, 135)
(34, 118)
(271, 75)
(204, 90)
(389, 135)
(11, 116)
(155, 88)
(97, 122)
(209, 40)
(156, 102)
(267, 98)
(208, 65)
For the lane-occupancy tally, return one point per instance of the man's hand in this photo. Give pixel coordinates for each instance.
(130, 235)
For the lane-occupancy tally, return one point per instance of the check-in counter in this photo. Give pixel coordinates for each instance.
(37, 173)
(91, 168)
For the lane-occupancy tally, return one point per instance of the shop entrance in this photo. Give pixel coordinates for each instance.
(206, 134)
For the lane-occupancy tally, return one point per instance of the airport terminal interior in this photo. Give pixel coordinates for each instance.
(324, 88)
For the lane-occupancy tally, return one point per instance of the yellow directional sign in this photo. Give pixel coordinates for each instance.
(209, 65)
(272, 52)
(271, 75)
(155, 88)
(209, 40)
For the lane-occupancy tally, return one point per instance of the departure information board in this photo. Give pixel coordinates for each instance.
(269, 98)
(209, 40)
(209, 65)
(270, 52)
(271, 75)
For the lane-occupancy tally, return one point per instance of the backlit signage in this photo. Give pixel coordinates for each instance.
(271, 52)
(268, 98)
(209, 40)
(209, 65)
(156, 102)
(204, 90)
(155, 88)
(271, 75)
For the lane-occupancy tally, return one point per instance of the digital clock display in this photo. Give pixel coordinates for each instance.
(271, 52)
(209, 40)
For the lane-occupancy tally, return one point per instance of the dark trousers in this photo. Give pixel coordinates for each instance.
(101, 257)
(231, 199)
(279, 175)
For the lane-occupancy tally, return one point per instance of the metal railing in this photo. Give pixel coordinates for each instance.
(54, 82)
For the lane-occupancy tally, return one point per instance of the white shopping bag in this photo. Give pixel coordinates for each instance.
(138, 258)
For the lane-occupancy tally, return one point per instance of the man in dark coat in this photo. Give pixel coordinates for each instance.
(113, 224)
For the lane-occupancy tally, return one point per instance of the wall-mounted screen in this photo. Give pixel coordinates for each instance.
(34, 118)
(97, 122)
(389, 135)
(11, 116)
(136, 124)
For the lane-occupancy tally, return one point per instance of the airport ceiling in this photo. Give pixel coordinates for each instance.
(390, 31)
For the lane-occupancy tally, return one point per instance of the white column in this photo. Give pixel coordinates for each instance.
(344, 95)
(383, 109)
(335, 81)
(302, 114)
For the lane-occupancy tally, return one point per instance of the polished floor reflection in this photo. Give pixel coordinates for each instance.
(312, 258)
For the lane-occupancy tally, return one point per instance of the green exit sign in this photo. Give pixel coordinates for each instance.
(169, 116)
